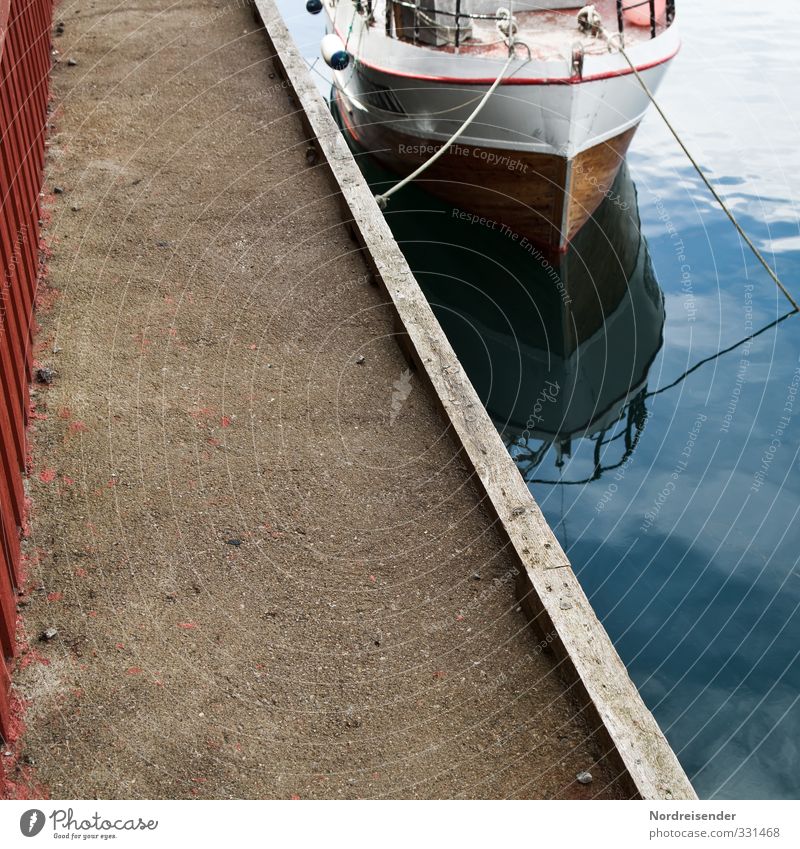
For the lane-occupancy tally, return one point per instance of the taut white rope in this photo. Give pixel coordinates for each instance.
(383, 199)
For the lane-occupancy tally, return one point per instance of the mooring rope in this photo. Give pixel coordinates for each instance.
(383, 199)
(709, 186)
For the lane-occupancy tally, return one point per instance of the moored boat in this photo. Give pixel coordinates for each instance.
(546, 145)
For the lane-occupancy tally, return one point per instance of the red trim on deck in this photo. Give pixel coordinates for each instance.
(487, 81)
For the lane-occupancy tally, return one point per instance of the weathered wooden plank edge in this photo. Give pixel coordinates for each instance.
(547, 585)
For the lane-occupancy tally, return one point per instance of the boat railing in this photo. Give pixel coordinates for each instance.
(429, 17)
(623, 7)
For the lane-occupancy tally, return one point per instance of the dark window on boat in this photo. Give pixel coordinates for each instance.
(383, 98)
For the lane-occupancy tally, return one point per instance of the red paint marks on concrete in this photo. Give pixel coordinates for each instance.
(93, 614)
(42, 346)
(294, 796)
(187, 625)
(46, 298)
(24, 787)
(373, 578)
(57, 596)
(64, 413)
(81, 572)
(203, 413)
(141, 340)
(26, 513)
(134, 670)
(225, 421)
(440, 673)
(272, 532)
(28, 562)
(66, 479)
(17, 779)
(17, 725)
(32, 656)
(77, 426)
(46, 212)
(47, 475)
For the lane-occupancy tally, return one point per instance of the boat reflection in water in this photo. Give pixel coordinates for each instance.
(557, 347)
(575, 364)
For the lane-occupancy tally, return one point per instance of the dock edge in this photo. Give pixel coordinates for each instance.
(547, 586)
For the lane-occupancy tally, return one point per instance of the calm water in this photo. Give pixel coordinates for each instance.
(675, 495)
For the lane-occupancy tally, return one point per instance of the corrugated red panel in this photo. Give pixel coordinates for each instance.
(24, 72)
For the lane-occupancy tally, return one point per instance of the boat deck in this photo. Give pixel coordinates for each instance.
(550, 34)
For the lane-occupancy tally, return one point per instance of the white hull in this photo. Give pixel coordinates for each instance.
(547, 145)
(541, 107)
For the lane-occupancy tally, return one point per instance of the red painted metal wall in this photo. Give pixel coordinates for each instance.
(24, 72)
